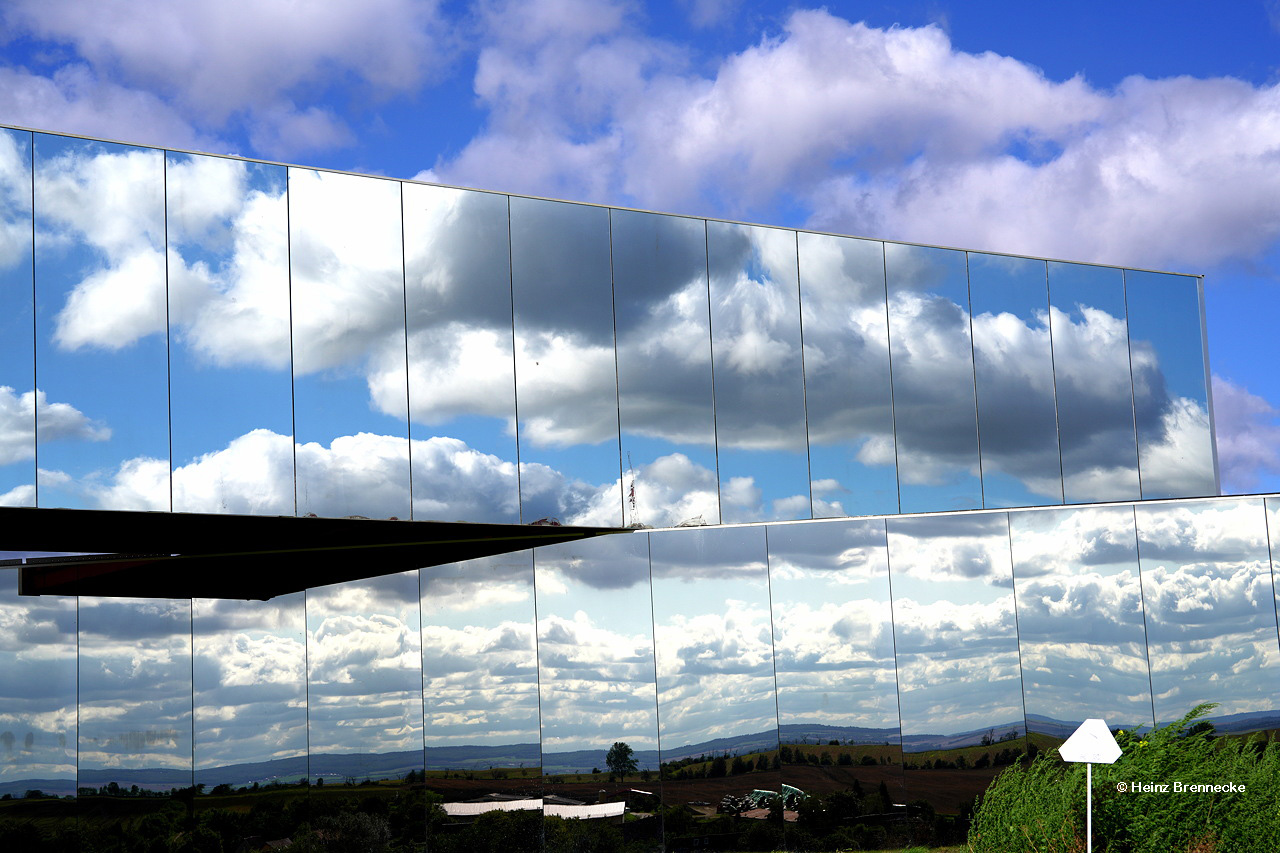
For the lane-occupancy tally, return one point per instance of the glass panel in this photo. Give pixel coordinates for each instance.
(1093, 382)
(1273, 530)
(134, 686)
(17, 324)
(350, 380)
(231, 391)
(959, 682)
(852, 454)
(759, 373)
(713, 635)
(837, 687)
(250, 691)
(461, 375)
(566, 373)
(101, 330)
(664, 369)
(933, 398)
(597, 694)
(1080, 621)
(1170, 385)
(480, 691)
(1211, 616)
(364, 671)
(1013, 366)
(38, 678)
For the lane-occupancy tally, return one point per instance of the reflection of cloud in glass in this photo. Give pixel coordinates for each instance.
(364, 660)
(595, 644)
(1080, 616)
(712, 634)
(1210, 606)
(37, 688)
(480, 674)
(832, 625)
(249, 680)
(954, 623)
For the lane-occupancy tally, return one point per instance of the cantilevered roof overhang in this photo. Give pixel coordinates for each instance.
(191, 555)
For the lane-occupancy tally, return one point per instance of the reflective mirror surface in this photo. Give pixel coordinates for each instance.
(1170, 385)
(461, 374)
(852, 452)
(230, 394)
(759, 378)
(350, 381)
(100, 325)
(933, 397)
(959, 681)
(1094, 385)
(1013, 367)
(18, 394)
(566, 374)
(665, 401)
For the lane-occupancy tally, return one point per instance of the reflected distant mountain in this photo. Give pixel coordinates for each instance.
(586, 760)
(807, 733)
(998, 732)
(1232, 724)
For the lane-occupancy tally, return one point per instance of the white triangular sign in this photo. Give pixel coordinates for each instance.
(1092, 742)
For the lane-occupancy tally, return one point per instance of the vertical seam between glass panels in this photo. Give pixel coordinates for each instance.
(408, 409)
(657, 708)
(617, 385)
(306, 674)
(168, 333)
(1208, 387)
(1017, 630)
(973, 366)
(1133, 402)
(711, 346)
(422, 688)
(35, 408)
(537, 675)
(804, 389)
(1142, 595)
(293, 377)
(773, 646)
(1271, 561)
(191, 658)
(893, 410)
(897, 679)
(1053, 370)
(515, 379)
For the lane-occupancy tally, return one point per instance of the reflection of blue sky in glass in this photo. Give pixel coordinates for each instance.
(664, 368)
(759, 380)
(480, 672)
(954, 626)
(229, 336)
(566, 373)
(595, 647)
(364, 669)
(1080, 618)
(832, 625)
(134, 688)
(37, 688)
(17, 345)
(1207, 586)
(712, 636)
(1175, 447)
(1013, 368)
(933, 398)
(350, 380)
(249, 683)
(1093, 383)
(100, 308)
(852, 455)
(461, 374)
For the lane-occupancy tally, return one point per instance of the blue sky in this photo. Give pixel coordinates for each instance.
(1094, 131)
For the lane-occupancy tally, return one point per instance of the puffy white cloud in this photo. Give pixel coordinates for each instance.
(214, 62)
(20, 414)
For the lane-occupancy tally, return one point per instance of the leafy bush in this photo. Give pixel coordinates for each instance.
(1041, 806)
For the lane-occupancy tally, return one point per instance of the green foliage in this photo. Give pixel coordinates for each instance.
(1041, 806)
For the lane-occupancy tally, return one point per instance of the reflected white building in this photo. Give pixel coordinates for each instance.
(954, 502)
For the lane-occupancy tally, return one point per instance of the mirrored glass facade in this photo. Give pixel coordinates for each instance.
(793, 633)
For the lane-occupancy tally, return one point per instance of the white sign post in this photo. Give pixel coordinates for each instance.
(1093, 744)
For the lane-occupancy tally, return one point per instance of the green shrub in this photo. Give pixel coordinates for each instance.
(1041, 806)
